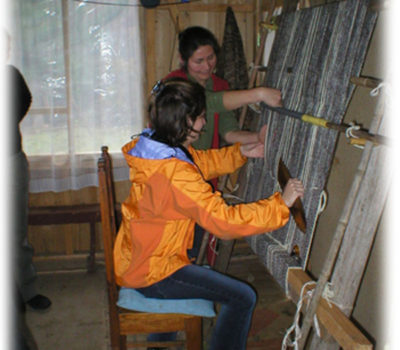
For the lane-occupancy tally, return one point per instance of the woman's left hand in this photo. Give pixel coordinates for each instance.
(262, 134)
(253, 150)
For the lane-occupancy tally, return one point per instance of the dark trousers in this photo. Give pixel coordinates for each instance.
(23, 251)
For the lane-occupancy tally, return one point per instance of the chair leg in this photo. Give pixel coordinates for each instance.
(122, 341)
(224, 255)
(119, 343)
(194, 339)
(91, 263)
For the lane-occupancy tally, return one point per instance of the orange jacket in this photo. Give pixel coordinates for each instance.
(168, 196)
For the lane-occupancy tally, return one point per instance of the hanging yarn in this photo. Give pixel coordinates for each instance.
(290, 340)
(353, 126)
(350, 136)
(295, 327)
(376, 91)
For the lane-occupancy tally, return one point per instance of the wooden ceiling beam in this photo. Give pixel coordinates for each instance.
(199, 7)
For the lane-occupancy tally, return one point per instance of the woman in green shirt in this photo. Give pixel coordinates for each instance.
(198, 49)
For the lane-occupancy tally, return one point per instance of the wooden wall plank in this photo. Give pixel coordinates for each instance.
(150, 48)
(54, 239)
(165, 37)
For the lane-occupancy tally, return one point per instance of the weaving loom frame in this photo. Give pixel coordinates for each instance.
(347, 24)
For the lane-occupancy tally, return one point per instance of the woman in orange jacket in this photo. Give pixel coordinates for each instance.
(169, 194)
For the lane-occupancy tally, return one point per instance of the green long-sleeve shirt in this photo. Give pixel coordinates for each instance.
(227, 120)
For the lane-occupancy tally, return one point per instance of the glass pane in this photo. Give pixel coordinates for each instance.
(106, 77)
(37, 48)
(40, 132)
(38, 52)
(104, 57)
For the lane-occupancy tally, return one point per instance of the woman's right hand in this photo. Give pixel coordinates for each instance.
(293, 190)
(233, 99)
(272, 97)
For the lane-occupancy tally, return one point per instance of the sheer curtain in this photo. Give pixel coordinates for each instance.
(83, 65)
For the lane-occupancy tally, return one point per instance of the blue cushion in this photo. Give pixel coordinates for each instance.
(131, 299)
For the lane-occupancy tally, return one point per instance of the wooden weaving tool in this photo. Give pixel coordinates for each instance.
(297, 209)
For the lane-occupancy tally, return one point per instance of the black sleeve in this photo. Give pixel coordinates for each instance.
(20, 96)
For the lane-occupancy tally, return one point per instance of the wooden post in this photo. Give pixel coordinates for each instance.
(174, 14)
(150, 48)
(366, 82)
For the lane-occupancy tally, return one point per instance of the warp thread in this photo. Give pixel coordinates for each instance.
(323, 199)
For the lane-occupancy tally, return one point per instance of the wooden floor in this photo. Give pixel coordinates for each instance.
(274, 312)
(78, 317)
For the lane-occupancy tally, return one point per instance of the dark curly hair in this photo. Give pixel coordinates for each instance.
(174, 106)
(192, 38)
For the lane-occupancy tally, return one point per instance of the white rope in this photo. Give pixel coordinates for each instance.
(316, 326)
(323, 199)
(349, 134)
(375, 92)
(295, 327)
(349, 131)
(322, 202)
(329, 295)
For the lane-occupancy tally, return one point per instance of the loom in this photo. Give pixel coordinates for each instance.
(315, 53)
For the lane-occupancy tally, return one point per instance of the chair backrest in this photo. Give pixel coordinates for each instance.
(125, 322)
(109, 227)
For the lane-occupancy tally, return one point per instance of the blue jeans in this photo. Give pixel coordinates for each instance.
(237, 300)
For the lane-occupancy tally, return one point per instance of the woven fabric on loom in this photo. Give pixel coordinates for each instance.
(315, 53)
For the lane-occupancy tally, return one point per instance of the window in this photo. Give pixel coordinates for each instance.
(83, 65)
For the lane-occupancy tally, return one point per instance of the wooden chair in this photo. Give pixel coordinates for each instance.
(126, 322)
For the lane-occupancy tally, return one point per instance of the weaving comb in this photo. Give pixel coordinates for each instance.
(297, 209)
